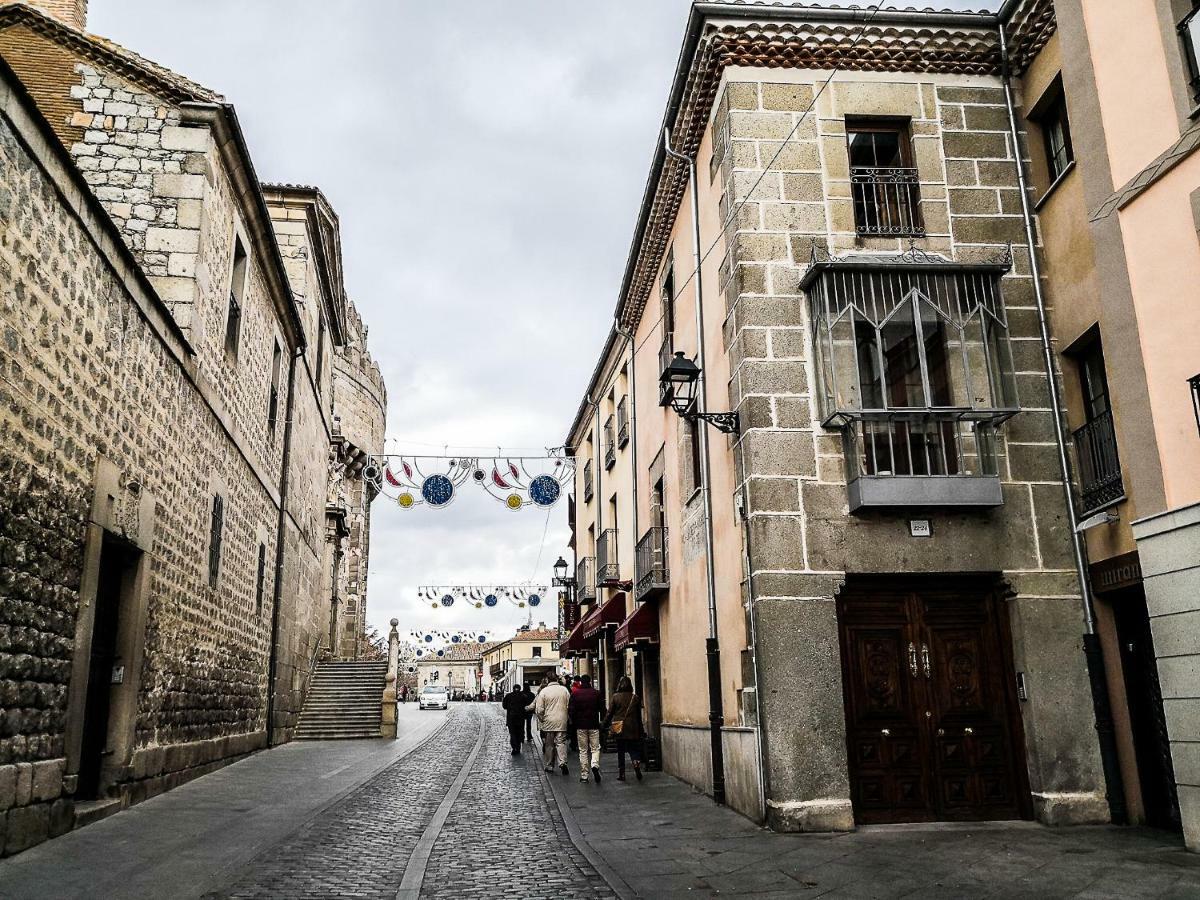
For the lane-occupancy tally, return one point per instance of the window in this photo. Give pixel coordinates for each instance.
(237, 287)
(273, 396)
(1100, 481)
(537, 651)
(260, 580)
(216, 524)
(1051, 116)
(884, 184)
(1189, 34)
(668, 324)
(320, 349)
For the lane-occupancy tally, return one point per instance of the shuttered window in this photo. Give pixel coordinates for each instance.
(260, 579)
(214, 539)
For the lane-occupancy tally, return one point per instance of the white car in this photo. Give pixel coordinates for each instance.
(434, 697)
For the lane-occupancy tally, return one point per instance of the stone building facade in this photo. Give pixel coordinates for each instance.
(894, 622)
(168, 435)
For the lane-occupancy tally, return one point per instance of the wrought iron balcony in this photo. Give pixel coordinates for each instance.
(887, 201)
(585, 579)
(923, 458)
(610, 445)
(665, 354)
(588, 484)
(608, 569)
(653, 575)
(623, 422)
(1100, 482)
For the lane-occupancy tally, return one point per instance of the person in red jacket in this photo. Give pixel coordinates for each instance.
(586, 710)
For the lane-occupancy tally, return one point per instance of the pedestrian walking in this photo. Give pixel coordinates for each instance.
(528, 695)
(551, 706)
(586, 709)
(625, 723)
(573, 686)
(514, 717)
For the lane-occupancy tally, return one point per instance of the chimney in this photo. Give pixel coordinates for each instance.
(69, 12)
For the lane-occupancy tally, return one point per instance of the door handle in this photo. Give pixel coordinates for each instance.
(912, 658)
(925, 661)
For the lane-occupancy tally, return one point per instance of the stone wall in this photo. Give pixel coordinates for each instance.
(802, 538)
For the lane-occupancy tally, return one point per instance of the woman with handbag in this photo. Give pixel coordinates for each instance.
(625, 723)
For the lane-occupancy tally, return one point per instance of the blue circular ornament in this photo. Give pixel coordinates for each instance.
(544, 491)
(441, 653)
(534, 600)
(455, 639)
(447, 599)
(483, 639)
(429, 638)
(491, 599)
(420, 653)
(438, 490)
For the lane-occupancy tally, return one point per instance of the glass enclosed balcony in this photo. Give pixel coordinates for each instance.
(915, 366)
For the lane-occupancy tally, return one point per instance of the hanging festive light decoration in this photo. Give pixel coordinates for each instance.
(481, 595)
(515, 481)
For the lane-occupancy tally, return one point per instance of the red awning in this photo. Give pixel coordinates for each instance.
(573, 644)
(611, 612)
(642, 625)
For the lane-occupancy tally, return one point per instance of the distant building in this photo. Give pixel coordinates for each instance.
(186, 403)
(459, 668)
(527, 657)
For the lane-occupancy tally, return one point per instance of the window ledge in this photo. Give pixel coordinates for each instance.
(1054, 185)
(899, 491)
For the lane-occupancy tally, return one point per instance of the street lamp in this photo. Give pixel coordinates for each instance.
(681, 378)
(560, 573)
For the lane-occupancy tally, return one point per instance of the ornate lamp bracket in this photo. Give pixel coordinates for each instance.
(724, 422)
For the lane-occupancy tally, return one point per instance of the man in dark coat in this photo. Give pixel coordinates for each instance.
(529, 698)
(514, 717)
(586, 711)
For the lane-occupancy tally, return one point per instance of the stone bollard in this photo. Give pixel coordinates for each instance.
(387, 725)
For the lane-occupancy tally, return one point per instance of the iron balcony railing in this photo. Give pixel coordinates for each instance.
(887, 200)
(608, 569)
(653, 575)
(588, 486)
(585, 579)
(921, 443)
(623, 422)
(665, 353)
(610, 444)
(1100, 482)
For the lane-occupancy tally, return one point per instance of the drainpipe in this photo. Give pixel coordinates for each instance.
(1093, 652)
(280, 534)
(712, 647)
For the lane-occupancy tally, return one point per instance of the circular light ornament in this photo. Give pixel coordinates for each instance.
(438, 490)
(514, 501)
(544, 491)
(441, 653)
(455, 639)
(491, 600)
(483, 639)
(535, 600)
(420, 653)
(447, 600)
(406, 500)
(429, 638)
(479, 605)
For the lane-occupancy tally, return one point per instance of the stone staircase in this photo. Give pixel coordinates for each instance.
(343, 701)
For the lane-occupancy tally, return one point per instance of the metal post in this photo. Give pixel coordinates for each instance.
(712, 646)
(1092, 650)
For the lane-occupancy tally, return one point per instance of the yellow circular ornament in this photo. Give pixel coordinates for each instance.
(406, 500)
(514, 501)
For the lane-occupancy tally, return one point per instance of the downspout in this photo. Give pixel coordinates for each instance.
(1093, 652)
(712, 646)
(280, 534)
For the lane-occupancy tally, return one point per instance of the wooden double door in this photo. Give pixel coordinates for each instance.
(932, 726)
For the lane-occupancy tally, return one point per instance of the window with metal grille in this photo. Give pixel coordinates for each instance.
(214, 539)
(1189, 35)
(260, 580)
(273, 396)
(237, 287)
(884, 184)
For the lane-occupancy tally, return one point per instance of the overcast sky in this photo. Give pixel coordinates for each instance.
(487, 161)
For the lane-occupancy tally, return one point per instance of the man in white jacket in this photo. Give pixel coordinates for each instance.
(551, 707)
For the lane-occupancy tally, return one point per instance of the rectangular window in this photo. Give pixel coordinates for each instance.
(884, 184)
(1051, 116)
(214, 539)
(1189, 34)
(320, 350)
(537, 651)
(1099, 465)
(237, 288)
(273, 396)
(260, 580)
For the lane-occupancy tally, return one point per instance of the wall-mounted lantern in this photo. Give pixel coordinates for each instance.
(681, 380)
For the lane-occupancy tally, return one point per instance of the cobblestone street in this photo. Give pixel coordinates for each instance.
(448, 812)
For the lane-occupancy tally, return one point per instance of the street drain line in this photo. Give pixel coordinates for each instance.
(418, 861)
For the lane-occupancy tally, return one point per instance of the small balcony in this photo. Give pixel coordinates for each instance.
(608, 569)
(887, 201)
(585, 579)
(925, 458)
(665, 354)
(589, 487)
(610, 445)
(1100, 482)
(623, 422)
(653, 576)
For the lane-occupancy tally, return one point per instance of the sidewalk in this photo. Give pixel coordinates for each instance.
(665, 840)
(185, 842)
